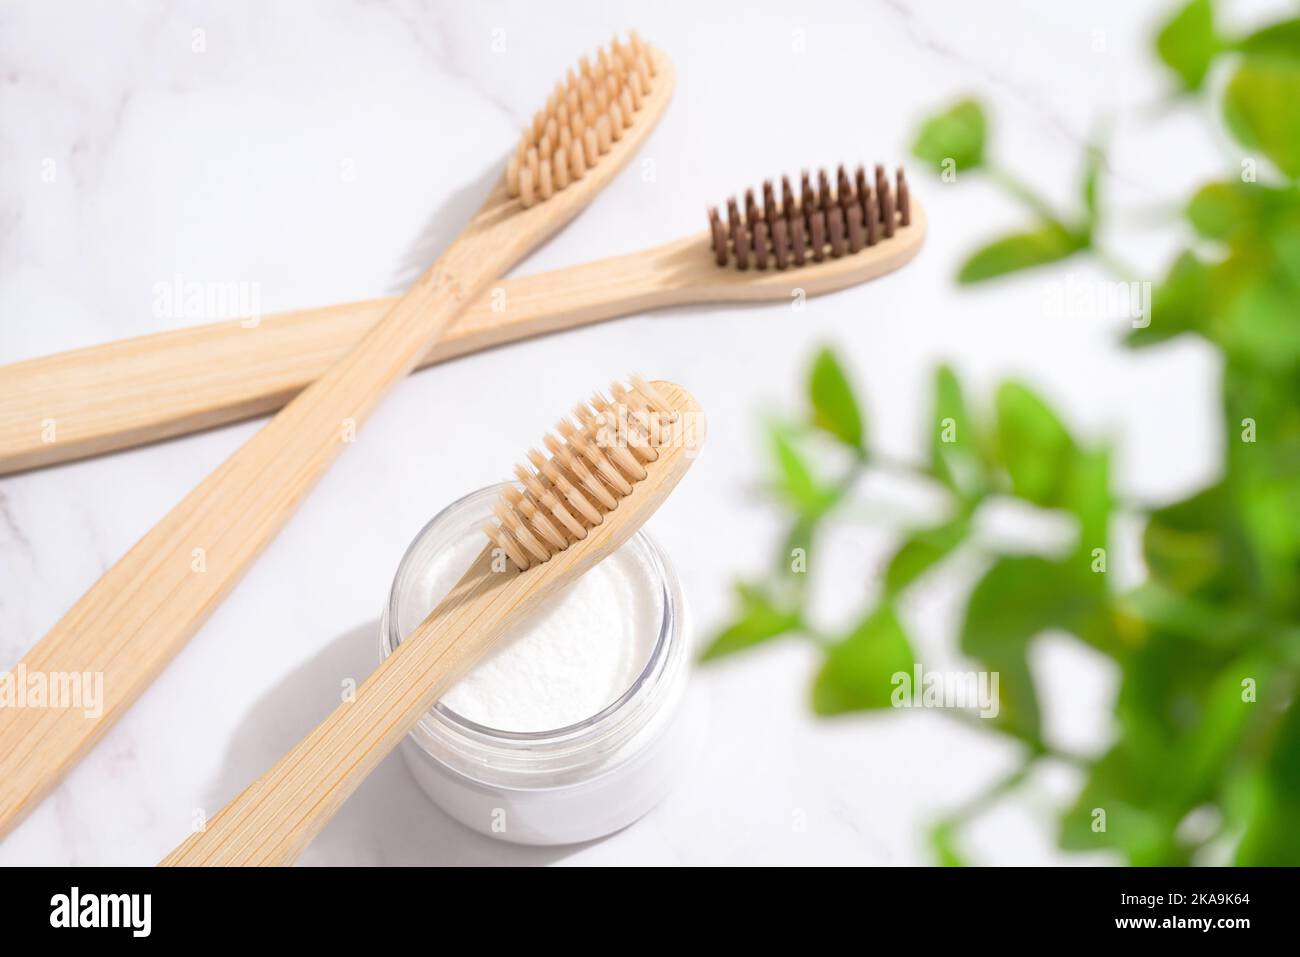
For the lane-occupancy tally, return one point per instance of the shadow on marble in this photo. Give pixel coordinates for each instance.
(444, 225)
(389, 820)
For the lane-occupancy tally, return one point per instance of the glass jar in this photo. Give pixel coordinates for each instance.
(565, 785)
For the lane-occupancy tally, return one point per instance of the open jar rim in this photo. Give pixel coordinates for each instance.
(613, 724)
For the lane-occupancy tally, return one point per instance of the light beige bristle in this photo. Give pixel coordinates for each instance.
(560, 167)
(639, 438)
(577, 166)
(585, 115)
(582, 439)
(526, 186)
(594, 462)
(580, 505)
(651, 394)
(535, 517)
(574, 464)
(507, 544)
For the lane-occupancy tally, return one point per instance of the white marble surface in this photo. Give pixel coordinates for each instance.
(323, 151)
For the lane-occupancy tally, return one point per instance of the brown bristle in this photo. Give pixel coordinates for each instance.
(719, 237)
(760, 244)
(869, 213)
(733, 215)
(857, 238)
(885, 198)
(740, 246)
(859, 212)
(585, 115)
(817, 234)
(844, 189)
(780, 243)
(596, 459)
(798, 236)
(835, 231)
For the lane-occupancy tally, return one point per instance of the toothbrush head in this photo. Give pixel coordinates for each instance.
(587, 114)
(820, 222)
(604, 471)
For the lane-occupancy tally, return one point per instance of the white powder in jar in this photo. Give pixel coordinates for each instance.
(572, 658)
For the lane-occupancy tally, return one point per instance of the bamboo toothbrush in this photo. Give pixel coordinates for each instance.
(144, 609)
(154, 387)
(607, 473)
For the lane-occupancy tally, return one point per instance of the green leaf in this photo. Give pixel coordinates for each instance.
(1033, 445)
(859, 670)
(1162, 698)
(1184, 728)
(1272, 837)
(1262, 492)
(835, 409)
(956, 449)
(1241, 302)
(1197, 547)
(1105, 816)
(795, 481)
(957, 134)
(1152, 606)
(1223, 717)
(759, 619)
(922, 551)
(1016, 599)
(1259, 106)
(1281, 40)
(799, 537)
(1247, 311)
(1178, 305)
(1259, 322)
(1244, 214)
(1047, 244)
(944, 844)
(1187, 43)
(1284, 244)
(1220, 210)
(1091, 184)
(1087, 496)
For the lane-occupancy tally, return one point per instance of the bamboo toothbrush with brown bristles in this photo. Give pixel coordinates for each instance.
(819, 239)
(608, 471)
(144, 608)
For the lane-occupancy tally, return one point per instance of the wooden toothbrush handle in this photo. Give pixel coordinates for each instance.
(144, 608)
(273, 819)
(120, 394)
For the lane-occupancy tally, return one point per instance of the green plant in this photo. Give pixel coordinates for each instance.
(1208, 645)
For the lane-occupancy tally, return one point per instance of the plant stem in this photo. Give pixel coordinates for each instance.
(1018, 188)
(1155, 216)
(1038, 748)
(1113, 264)
(981, 802)
(899, 466)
